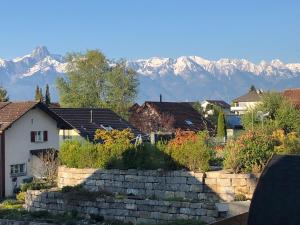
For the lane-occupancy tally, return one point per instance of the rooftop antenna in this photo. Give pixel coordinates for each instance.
(91, 116)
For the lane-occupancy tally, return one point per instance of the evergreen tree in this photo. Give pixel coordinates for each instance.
(221, 132)
(47, 96)
(41, 95)
(3, 95)
(252, 88)
(37, 96)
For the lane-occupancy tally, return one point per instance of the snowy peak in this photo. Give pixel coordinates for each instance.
(39, 61)
(224, 67)
(185, 78)
(40, 53)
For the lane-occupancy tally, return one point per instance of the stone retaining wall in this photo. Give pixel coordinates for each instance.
(210, 186)
(16, 222)
(129, 210)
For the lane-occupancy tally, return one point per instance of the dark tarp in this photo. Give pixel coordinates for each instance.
(276, 200)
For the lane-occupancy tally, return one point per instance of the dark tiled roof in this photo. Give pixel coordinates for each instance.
(80, 119)
(12, 111)
(220, 103)
(276, 200)
(293, 95)
(181, 113)
(251, 96)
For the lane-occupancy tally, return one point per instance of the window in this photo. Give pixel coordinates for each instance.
(18, 170)
(67, 134)
(39, 136)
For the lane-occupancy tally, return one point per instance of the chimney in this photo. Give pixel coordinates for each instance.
(160, 98)
(91, 116)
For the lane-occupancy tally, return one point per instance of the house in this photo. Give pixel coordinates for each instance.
(85, 121)
(245, 102)
(209, 105)
(233, 125)
(293, 95)
(26, 128)
(167, 117)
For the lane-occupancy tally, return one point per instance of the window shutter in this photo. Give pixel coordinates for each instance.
(45, 135)
(32, 135)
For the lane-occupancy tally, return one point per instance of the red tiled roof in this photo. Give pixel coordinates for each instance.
(10, 112)
(293, 95)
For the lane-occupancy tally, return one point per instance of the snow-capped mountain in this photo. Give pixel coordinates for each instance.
(186, 78)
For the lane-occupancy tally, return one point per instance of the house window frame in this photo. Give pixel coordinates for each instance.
(16, 171)
(67, 135)
(39, 136)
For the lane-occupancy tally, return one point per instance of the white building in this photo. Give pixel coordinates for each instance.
(208, 107)
(25, 129)
(246, 102)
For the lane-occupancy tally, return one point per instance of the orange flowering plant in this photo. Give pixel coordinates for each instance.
(249, 152)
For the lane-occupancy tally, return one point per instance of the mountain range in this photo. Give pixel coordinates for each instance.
(186, 78)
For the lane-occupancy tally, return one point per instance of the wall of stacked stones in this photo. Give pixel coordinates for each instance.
(210, 186)
(137, 211)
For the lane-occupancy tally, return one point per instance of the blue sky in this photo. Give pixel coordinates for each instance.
(133, 29)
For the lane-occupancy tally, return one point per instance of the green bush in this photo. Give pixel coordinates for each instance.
(192, 151)
(249, 152)
(240, 197)
(21, 196)
(115, 154)
(35, 185)
(146, 156)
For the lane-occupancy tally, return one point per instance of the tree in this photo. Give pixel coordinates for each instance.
(3, 95)
(92, 82)
(121, 87)
(47, 96)
(38, 94)
(221, 132)
(282, 114)
(252, 88)
(48, 166)
(41, 95)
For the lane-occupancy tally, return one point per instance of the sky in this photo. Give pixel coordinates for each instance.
(255, 30)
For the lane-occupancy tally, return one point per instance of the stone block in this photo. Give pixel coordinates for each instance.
(179, 194)
(242, 190)
(236, 182)
(186, 211)
(196, 188)
(226, 190)
(131, 206)
(207, 219)
(224, 182)
(210, 181)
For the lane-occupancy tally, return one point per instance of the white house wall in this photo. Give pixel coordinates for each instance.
(18, 142)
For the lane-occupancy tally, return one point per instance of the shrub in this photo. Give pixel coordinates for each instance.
(35, 185)
(286, 143)
(191, 150)
(146, 156)
(21, 196)
(240, 197)
(83, 154)
(251, 150)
